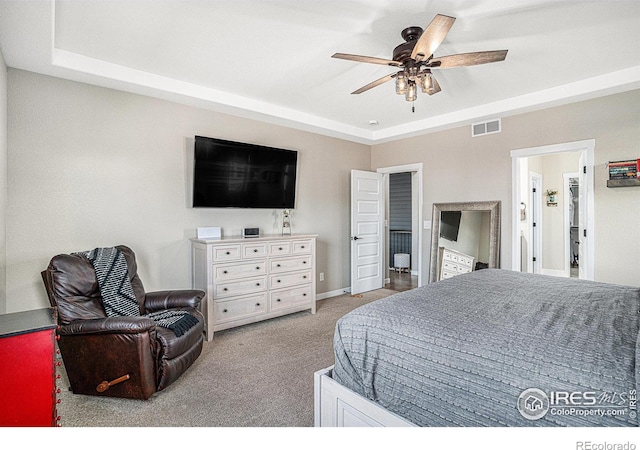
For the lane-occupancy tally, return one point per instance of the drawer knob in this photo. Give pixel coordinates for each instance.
(278, 265)
(228, 253)
(279, 248)
(304, 262)
(225, 289)
(258, 268)
(224, 310)
(304, 276)
(302, 246)
(225, 272)
(304, 295)
(278, 300)
(257, 284)
(257, 304)
(255, 250)
(278, 281)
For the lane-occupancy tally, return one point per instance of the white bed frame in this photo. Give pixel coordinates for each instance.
(338, 406)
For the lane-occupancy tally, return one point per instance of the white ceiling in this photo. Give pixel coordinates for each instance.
(271, 59)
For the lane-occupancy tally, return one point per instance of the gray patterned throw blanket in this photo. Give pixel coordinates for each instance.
(117, 293)
(497, 348)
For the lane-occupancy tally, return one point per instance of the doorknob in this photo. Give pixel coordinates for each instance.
(355, 238)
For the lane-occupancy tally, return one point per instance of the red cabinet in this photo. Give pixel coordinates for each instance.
(28, 369)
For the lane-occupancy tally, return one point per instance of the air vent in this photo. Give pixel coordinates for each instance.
(489, 127)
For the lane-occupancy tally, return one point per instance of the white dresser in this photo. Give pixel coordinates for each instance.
(453, 263)
(251, 279)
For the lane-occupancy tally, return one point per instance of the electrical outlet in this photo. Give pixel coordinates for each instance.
(321, 276)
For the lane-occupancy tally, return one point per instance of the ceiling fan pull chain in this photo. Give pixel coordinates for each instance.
(413, 107)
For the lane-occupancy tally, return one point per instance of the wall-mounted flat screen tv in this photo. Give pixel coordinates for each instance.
(450, 224)
(231, 174)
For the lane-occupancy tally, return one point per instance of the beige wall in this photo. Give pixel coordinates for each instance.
(89, 166)
(92, 167)
(3, 183)
(458, 167)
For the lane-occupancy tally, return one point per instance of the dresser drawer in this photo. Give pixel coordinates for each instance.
(287, 298)
(222, 272)
(226, 311)
(448, 266)
(448, 256)
(254, 250)
(240, 287)
(289, 279)
(301, 247)
(280, 248)
(463, 269)
(290, 264)
(448, 274)
(465, 260)
(227, 253)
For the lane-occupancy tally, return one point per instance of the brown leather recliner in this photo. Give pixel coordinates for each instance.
(129, 357)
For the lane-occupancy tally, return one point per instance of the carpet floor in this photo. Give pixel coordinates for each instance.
(258, 375)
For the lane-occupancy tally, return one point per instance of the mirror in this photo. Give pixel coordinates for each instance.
(463, 235)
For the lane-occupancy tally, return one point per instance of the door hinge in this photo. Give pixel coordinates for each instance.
(534, 224)
(534, 259)
(534, 189)
(584, 232)
(584, 169)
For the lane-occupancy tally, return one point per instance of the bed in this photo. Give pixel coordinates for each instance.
(489, 348)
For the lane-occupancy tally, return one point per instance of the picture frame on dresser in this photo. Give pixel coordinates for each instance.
(247, 280)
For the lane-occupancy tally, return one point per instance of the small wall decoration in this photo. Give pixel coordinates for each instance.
(286, 222)
(552, 197)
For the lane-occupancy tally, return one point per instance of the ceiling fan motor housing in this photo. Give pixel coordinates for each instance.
(403, 51)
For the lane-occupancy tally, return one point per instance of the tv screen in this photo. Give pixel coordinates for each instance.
(231, 174)
(450, 224)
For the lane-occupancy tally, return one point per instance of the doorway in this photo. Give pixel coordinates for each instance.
(581, 152)
(572, 224)
(400, 250)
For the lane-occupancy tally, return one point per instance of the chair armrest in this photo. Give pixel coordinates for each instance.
(162, 300)
(109, 325)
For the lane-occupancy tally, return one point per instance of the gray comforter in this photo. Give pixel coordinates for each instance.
(463, 351)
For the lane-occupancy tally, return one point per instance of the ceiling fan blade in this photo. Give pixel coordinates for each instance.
(468, 59)
(373, 84)
(366, 59)
(435, 86)
(432, 37)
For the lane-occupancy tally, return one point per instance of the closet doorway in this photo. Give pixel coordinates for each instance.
(572, 224)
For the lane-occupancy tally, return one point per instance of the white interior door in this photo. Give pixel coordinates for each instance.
(367, 231)
(535, 223)
(582, 219)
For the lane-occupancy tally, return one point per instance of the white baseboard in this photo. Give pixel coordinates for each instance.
(335, 293)
(555, 273)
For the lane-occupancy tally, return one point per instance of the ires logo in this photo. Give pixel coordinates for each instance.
(534, 404)
(562, 398)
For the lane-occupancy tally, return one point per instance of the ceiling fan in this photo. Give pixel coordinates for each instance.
(415, 59)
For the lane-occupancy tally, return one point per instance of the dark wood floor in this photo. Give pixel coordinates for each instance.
(401, 281)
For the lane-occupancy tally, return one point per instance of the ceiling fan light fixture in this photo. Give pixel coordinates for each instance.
(401, 84)
(426, 83)
(412, 93)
